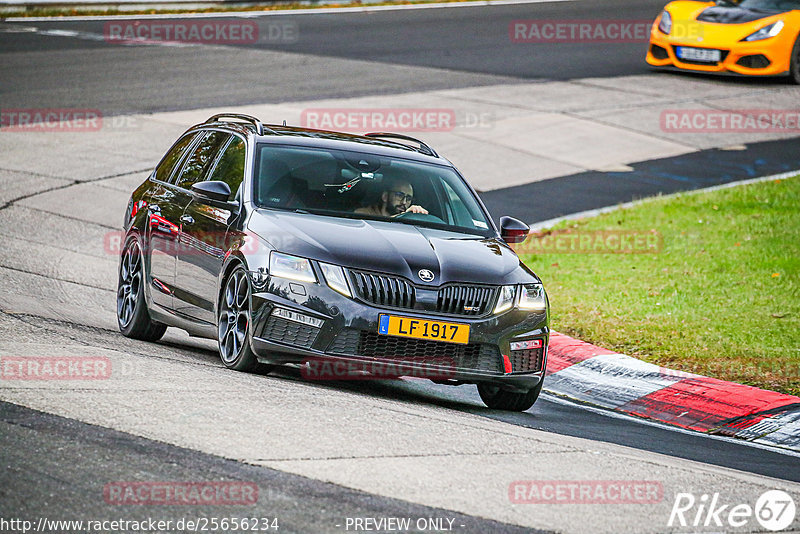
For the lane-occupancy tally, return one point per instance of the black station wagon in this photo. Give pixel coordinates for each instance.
(348, 256)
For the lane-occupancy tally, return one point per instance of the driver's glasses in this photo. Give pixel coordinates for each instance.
(402, 197)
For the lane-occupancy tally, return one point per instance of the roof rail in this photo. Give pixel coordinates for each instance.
(424, 148)
(247, 118)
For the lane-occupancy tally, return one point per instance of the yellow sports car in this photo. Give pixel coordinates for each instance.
(749, 37)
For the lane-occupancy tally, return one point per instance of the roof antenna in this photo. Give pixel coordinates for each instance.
(284, 122)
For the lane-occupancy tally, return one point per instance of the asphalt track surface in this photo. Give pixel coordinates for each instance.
(549, 199)
(351, 54)
(62, 446)
(359, 53)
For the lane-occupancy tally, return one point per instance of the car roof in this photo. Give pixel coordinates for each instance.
(388, 144)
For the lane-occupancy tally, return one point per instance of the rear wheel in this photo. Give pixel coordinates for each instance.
(132, 315)
(794, 66)
(233, 322)
(499, 399)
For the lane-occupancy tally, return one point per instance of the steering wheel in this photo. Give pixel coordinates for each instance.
(422, 217)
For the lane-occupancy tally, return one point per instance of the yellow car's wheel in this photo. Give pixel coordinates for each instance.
(794, 68)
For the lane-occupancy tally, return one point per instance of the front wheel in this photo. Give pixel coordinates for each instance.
(497, 398)
(794, 66)
(132, 316)
(233, 322)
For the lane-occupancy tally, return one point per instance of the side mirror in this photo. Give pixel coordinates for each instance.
(212, 190)
(513, 230)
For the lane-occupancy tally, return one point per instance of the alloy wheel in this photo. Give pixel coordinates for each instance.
(234, 316)
(130, 283)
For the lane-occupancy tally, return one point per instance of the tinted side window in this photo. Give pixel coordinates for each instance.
(164, 169)
(230, 168)
(199, 160)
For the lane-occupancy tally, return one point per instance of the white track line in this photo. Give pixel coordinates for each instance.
(285, 12)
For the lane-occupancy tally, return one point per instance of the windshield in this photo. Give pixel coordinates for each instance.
(776, 6)
(365, 186)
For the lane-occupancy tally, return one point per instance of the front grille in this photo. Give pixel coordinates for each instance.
(526, 360)
(473, 357)
(383, 290)
(289, 332)
(466, 300)
(395, 292)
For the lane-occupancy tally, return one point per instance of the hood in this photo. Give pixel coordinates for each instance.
(392, 247)
(732, 15)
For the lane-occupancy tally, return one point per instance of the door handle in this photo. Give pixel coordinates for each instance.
(187, 219)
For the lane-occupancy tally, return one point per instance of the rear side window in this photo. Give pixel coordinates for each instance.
(202, 156)
(230, 167)
(164, 169)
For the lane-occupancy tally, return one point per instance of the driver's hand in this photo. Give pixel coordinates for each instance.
(417, 209)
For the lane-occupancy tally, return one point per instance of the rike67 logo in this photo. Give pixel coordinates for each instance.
(774, 510)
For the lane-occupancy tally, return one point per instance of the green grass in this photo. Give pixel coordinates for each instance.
(720, 298)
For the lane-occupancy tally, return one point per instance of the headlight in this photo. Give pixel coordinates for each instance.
(532, 297)
(506, 299)
(291, 267)
(335, 278)
(766, 32)
(665, 24)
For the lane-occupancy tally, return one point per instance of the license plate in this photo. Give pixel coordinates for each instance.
(393, 325)
(699, 54)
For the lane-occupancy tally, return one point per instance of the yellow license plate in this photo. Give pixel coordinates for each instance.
(393, 325)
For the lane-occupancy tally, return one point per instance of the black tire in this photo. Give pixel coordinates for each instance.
(233, 322)
(499, 399)
(794, 65)
(132, 316)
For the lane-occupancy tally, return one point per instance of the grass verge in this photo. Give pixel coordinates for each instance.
(715, 289)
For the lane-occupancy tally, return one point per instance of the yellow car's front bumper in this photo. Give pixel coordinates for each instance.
(768, 57)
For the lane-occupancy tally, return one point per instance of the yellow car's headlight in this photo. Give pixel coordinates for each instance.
(766, 32)
(665, 24)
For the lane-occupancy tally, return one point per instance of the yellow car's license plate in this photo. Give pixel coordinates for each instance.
(393, 325)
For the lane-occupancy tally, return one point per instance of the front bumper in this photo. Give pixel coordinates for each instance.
(346, 331)
(769, 57)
